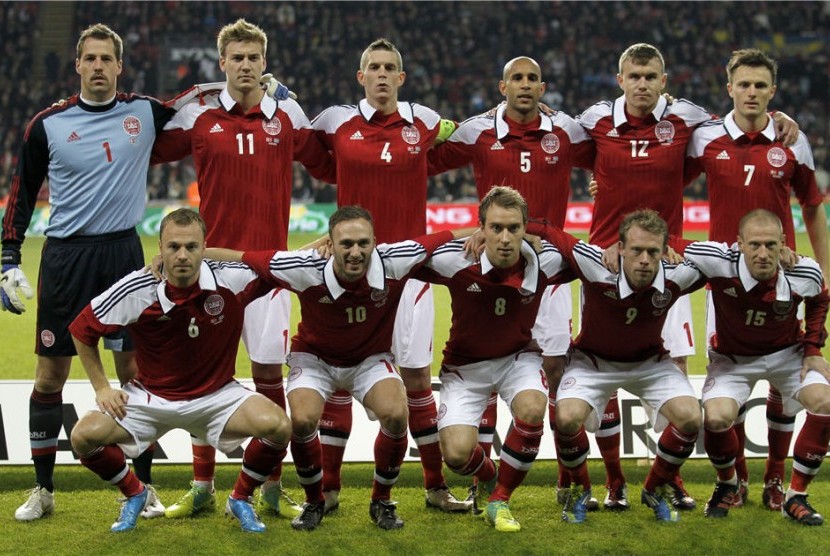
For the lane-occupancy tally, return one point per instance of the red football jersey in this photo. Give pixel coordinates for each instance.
(382, 163)
(744, 173)
(493, 310)
(535, 159)
(639, 163)
(757, 318)
(185, 339)
(243, 163)
(618, 323)
(343, 324)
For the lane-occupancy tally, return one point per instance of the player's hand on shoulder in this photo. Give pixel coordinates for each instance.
(156, 266)
(474, 245)
(786, 129)
(789, 258)
(275, 89)
(815, 363)
(593, 187)
(611, 258)
(14, 283)
(59, 103)
(672, 256)
(669, 98)
(112, 401)
(535, 242)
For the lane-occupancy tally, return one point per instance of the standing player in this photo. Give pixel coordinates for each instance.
(348, 313)
(760, 337)
(186, 330)
(243, 143)
(746, 168)
(490, 348)
(641, 143)
(94, 150)
(534, 153)
(619, 346)
(380, 147)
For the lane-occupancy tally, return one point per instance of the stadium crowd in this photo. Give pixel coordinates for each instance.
(454, 50)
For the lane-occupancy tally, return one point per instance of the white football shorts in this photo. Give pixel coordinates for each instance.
(553, 326)
(414, 326)
(266, 328)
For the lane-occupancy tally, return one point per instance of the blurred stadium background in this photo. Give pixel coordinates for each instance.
(453, 55)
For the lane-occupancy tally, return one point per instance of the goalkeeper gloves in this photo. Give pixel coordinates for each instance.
(13, 283)
(275, 89)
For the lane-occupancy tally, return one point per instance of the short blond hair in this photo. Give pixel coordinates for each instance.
(240, 31)
(380, 44)
(641, 54)
(101, 32)
(505, 197)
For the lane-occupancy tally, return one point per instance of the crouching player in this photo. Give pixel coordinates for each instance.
(344, 341)
(620, 346)
(186, 330)
(490, 348)
(760, 337)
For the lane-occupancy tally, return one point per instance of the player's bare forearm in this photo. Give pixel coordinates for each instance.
(111, 401)
(222, 254)
(815, 220)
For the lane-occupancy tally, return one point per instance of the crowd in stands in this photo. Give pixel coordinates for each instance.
(453, 55)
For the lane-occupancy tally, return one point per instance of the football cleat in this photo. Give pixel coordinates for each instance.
(243, 510)
(268, 501)
(576, 504)
(195, 500)
(384, 515)
(481, 492)
(332, 501)
(616, 499)
(442, 499)
(657, 502)
(798, 509)
(773, 496)
(680, 499)
(310, 517)
(562, 494)
(498, 515)
(39, 503)
(131, 508)
(722, 499)
(740, 497)
(154, 507)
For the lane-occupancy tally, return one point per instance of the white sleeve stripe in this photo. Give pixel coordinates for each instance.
(102, 306)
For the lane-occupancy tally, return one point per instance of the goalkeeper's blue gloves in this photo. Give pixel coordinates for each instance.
(275, 89)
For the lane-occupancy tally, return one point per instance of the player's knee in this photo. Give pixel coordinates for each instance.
(531, 408)
(395, 419)
(455, 455)
(275, 426)
(87, 434)
(717, 421)
(687, 418)
(304, 425)
(568, 418)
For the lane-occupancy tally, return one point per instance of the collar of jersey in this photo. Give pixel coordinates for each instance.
(530, 281)
(619, 110)
(658, 284)
(404, 109)
(267, 105)
(374, 275)
(503, 128)
(207, 281)
(783, 291)
(736, 133)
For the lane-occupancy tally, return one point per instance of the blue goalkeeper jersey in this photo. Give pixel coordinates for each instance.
(96, 160)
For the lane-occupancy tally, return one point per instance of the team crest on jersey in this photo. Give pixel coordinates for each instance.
(567, 383)
(776, 157)
(214, 304)
(782, 307)
(272, 126)
(411, 134)
(661, 300)
(550, 143)
(709, 384)
(380, 296)
(132, 126)
(664, 131)
(47, 338)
